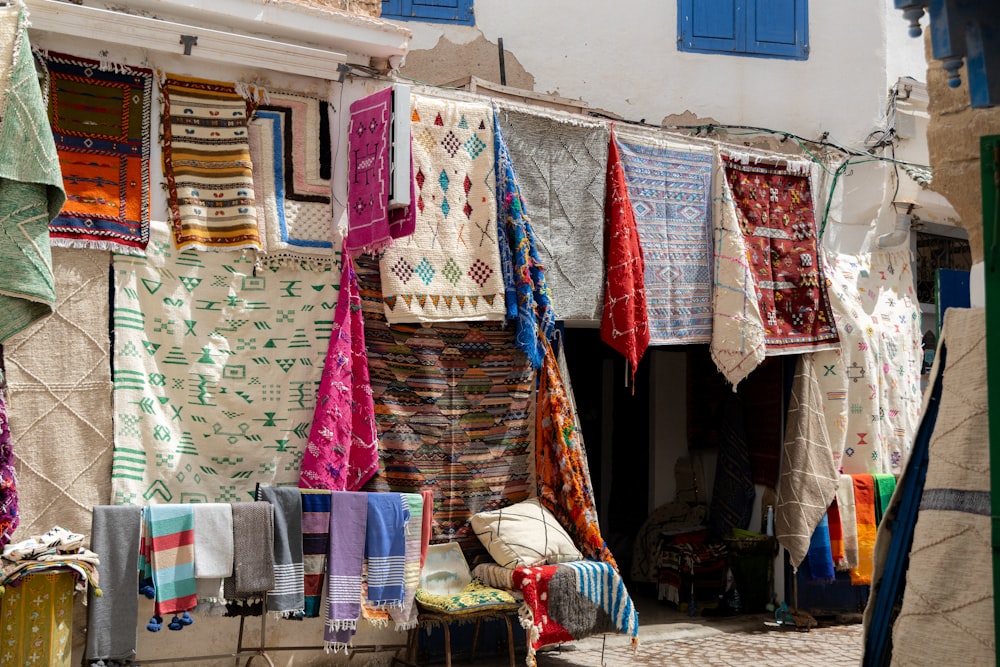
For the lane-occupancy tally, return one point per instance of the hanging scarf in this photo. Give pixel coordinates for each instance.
(527, 293)
(287, 598)
(561, 469)
(385, 549)
(885, 486)
(342, 453)
(819, 558)
(836, 533)
(348, 521)
(864, 504)
(315, 543)
(848, 523)
(406, 618)
(624, 325)
(170, 557)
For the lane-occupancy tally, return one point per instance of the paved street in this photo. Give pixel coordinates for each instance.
(835, 646)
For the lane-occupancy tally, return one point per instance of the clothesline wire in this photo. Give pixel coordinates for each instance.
(884, 138)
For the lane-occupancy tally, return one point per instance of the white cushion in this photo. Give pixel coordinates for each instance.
(524, 535)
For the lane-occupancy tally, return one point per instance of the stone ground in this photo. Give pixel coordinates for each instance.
(669, 637)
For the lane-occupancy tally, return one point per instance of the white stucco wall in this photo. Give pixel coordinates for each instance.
(624, 58)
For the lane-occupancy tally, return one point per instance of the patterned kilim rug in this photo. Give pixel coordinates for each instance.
(206, 162)
(561, 166)
(216, 371)
(670, 187)
(452, 406)
(59, 375)
(100, 118)
(871, 387)
(291, 158)
(449, 268)
(30, 184)
(774, 207)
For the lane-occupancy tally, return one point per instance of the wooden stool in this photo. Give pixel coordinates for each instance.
(426, 618)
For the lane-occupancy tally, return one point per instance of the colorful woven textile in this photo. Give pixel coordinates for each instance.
(348, 525)
(670, 187)
(215, 372)
(561, 468)
(819, 558)
(170, 549)
(449, 268)
(871, 386)
(737, 327)
(452, 407)
(572, 601)
(38, 621)
(774, 207)
(809, 476)
(342, 452)
(602, 585)
(624, 325)
(207, 166)
(315, 545)
(526, 292)
(885, 486)
(561, 165)
(30, 183)
(406, 618)
(385, 549)
(287, 597)
(864, 507)
(368, 174)
(60, 411)
(290, 148)
(100, 117)
(9, 518)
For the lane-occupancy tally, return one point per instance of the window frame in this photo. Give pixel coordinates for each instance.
(745, 42)
(413, 10)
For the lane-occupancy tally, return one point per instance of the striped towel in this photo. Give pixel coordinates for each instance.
(385, 549)
(315, 544)
(406, 618)
(864, 504)
(287, 597)
(348, 519)
(170, 540)
(600, 583)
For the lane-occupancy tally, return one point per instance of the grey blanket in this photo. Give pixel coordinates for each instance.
(112, 618)
(561, 167)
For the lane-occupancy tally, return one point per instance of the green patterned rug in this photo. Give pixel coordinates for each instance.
(215, 372)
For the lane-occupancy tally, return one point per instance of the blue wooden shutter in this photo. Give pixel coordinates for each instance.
(435, 11)
(711, 25)
(778, 28)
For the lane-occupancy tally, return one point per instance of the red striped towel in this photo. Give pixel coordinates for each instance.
(170, 536)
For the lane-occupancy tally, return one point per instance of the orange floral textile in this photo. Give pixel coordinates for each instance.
(561, 469)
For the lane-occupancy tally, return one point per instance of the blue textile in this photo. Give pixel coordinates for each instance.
(385, 548)
(819, 558)
(528, 295)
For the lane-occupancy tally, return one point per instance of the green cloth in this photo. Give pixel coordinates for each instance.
(31, 192)
(885, 485)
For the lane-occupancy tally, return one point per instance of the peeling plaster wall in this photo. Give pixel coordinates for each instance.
(625, 59)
